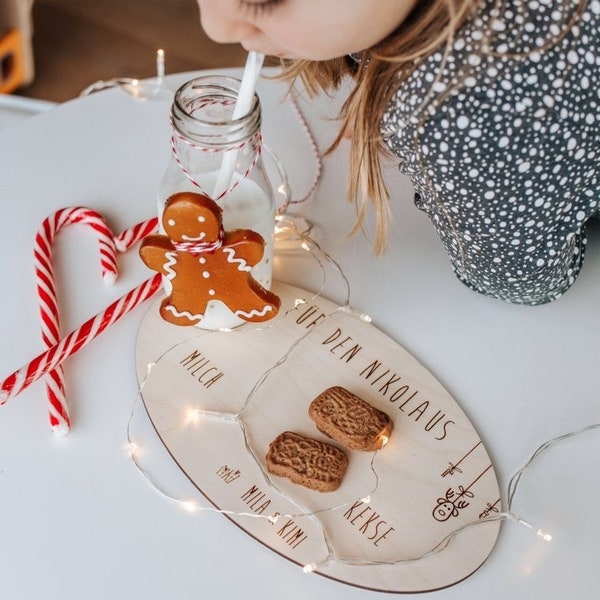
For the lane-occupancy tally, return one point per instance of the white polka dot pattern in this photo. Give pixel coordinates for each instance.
(502, 141)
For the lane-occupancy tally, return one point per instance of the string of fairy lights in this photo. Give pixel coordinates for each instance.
(293, 232)
(286, 231)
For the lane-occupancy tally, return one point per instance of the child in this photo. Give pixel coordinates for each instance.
(492, 108)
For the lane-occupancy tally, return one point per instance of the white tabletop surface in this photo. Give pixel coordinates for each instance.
(78, 521)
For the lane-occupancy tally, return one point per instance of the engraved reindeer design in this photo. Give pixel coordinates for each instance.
(451, 504)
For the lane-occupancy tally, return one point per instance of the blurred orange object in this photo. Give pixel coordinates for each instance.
(12, 62)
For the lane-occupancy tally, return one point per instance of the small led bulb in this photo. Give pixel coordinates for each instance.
(545, 536)
(189, 506)
(132, 449)
(160, 64)
(193, 416)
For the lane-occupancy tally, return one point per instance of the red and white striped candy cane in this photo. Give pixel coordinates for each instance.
(134, 234)
(60, 422)
(58, 408)
(15, 383)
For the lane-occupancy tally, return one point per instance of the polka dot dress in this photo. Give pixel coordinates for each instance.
(501, 137)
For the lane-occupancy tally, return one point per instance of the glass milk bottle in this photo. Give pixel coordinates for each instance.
(214, 154)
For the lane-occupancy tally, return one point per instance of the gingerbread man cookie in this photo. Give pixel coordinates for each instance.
(203, 263)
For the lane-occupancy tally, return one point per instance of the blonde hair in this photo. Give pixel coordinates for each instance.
(378, 72)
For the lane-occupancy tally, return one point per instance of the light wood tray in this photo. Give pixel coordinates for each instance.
(218, 399)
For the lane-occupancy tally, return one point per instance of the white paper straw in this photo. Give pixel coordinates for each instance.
(242, 106)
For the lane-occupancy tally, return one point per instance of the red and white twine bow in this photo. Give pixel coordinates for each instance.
(195, 247)
(254, 142)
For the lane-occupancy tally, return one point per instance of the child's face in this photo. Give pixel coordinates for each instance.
(308, 29)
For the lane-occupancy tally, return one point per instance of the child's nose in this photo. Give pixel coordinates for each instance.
(224, 28)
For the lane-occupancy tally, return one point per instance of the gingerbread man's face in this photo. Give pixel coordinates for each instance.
(187, 219)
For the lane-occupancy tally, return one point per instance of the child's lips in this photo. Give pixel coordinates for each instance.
(261, 49)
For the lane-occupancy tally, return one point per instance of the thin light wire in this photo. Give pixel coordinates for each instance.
(330, 558)
(516, 478)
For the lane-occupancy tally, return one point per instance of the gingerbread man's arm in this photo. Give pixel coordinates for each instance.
(248, 245)
(153, 252)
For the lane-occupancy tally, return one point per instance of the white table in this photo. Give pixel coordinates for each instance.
(78, 521)
(14, 109)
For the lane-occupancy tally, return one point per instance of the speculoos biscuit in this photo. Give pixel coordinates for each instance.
(350, 420)
(312, 463)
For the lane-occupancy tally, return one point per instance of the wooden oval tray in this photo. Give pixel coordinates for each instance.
(217, 400)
